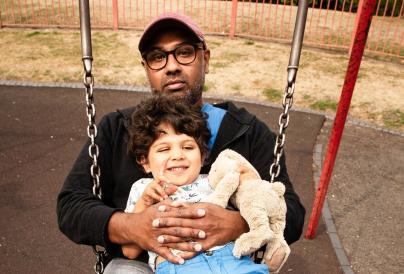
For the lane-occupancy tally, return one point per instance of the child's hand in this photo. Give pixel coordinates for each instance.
(158, 190)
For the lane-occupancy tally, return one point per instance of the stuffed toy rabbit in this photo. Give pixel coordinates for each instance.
(261, 204)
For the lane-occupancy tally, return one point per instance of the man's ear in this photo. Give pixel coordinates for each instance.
(206, 57)
(145, 164)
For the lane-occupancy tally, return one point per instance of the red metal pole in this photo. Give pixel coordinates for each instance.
(115, 14)
(233, 19)
(342, 112)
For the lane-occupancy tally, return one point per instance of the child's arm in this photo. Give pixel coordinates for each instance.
(153, 193)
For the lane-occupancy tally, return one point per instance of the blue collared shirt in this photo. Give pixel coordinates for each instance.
(215, 117)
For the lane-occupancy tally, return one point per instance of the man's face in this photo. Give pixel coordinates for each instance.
(176, 79)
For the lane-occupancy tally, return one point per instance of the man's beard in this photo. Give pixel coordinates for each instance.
(191, 96)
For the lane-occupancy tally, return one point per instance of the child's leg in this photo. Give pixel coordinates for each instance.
(244, 265)
(219, 261)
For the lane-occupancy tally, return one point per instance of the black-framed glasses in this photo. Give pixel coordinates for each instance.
(184, 54)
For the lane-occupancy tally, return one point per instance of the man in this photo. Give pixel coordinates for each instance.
(176, 58)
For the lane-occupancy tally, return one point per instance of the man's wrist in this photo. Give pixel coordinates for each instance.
(240, 225)
(118, 227)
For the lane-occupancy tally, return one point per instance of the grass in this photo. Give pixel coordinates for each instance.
(272, 94)
(236, 87)
(393, 119)
(219, 64)
(326, 104)
(238, 67)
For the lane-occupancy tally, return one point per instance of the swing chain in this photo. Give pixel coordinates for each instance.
(283, 123)
(93, 150)
(100, 258)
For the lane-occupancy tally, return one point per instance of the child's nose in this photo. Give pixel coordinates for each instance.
(177, 153)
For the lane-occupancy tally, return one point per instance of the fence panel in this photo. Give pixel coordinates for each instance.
(330, 23)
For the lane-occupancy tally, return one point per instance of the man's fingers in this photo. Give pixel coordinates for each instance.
(182, 232)
(181, 210)
(172, 222)
(186, 246)
(166, 253)
(165, 239)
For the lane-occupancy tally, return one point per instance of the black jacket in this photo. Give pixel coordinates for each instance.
(83, 218)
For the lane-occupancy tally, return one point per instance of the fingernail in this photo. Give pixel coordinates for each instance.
(201, 234)
(197, 247)
(162, 208)
(160, 239)
(181, 261)
(155, 223)
(200, 212)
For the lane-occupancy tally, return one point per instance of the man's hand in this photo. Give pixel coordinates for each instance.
(138, 228)
(216, 226)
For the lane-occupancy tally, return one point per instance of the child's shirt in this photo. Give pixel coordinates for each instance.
(197, 191)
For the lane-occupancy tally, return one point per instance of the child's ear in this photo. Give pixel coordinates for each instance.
(145, 164)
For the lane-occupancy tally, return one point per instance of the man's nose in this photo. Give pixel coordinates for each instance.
(172, 64)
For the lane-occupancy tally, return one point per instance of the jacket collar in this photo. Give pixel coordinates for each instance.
(241, 115)
(235, 124)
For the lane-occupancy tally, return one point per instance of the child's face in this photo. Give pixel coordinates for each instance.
(175, 156)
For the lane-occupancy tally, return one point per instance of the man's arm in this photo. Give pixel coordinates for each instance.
(82, 216)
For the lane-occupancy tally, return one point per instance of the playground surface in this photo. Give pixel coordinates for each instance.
(43, 129)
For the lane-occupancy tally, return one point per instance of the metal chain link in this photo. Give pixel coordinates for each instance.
(283, 123)
(93, 152)
(100, 258)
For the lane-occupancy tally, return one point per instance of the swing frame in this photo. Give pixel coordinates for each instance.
(88, 80)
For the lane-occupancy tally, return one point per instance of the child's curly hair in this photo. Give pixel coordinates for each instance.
(149, 114)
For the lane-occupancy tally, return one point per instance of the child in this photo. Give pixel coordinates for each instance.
(169, 139)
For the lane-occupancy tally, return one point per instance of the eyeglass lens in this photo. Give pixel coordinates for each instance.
(184, 54)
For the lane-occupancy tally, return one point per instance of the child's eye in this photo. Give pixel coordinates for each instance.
(188, 147)
(162, 149)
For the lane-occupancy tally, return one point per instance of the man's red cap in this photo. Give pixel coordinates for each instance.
(152, 29)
